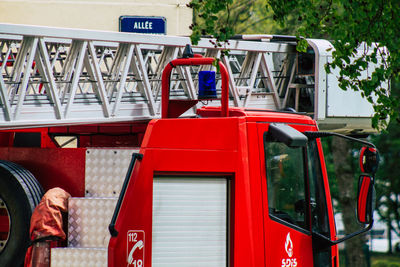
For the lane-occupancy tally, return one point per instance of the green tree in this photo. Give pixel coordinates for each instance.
(240, 16)
(388, 184)
(344, 156)
(342, 164)
(350, 24)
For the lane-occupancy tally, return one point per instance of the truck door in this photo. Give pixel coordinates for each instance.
(295, 203)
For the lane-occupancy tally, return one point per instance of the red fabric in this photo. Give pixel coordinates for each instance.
(47, 221)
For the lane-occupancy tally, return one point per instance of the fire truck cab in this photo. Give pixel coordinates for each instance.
(226, 192)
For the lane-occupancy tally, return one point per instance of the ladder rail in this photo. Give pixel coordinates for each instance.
(63, 76)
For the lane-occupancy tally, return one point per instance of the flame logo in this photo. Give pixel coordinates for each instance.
(289, 246)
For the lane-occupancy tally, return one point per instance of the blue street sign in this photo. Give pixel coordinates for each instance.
(140, 24)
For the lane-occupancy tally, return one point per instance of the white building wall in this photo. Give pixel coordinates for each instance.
(95, 14)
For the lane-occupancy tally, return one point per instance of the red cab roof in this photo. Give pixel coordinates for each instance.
(258, 115)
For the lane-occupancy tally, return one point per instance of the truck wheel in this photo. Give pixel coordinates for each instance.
(20, 192)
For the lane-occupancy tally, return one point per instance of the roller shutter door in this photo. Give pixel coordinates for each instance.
(189, 221)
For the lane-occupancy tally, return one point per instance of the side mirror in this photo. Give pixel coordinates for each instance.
(365, 199)
(285, 134)
(369, 160)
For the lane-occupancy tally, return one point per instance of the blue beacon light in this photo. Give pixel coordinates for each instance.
(207, 88)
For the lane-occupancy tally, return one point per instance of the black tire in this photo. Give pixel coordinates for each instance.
(21, 193)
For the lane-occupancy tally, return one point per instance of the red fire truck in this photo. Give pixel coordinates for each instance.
(224, 186)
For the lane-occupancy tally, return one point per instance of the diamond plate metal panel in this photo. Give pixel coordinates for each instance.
(78, 257)
(105, 171)
(88, 221)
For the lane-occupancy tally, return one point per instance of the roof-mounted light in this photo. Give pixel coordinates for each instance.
(207, 88)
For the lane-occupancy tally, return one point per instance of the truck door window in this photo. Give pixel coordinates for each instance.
(319, 214)
(286, 183)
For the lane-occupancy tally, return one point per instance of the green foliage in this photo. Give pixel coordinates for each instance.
(209, 12)
(350, 24)
(223, 19)
(385, 263)
(388, 182)
(385, 260)
(367, 24)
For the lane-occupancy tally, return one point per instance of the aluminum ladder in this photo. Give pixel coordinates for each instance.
(58, 76)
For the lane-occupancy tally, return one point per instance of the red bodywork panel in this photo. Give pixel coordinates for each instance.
(52, 167)
(65, 167)
(212, 146)
(189, 147)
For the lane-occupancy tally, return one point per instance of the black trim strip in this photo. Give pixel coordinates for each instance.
(318, 134)
(111, 227)
(293, 226)
(288, 123)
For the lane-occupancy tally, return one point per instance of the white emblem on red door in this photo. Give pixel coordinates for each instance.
(289, 262)
(289, 246)
(135, 248)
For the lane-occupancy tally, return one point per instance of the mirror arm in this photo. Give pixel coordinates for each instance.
(322, 241)
(326, 134)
